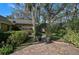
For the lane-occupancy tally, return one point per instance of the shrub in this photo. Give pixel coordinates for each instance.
(38, 30)
(17, 37)
(1, 31)
(3, 37)
(73, 24)
(61, 33)
(9, 40)
(58, 35)
(7, 49)
(72, 37)
(54, 36)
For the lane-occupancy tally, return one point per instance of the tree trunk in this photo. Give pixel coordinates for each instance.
(33, 21)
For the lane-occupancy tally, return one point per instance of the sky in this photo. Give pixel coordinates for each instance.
(5, 9)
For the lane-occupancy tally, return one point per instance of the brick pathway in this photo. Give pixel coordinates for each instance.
(55, 48)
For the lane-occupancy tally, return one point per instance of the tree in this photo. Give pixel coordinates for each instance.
(49, 13)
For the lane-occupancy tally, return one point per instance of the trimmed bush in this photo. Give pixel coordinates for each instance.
(7, 49)
(72, 37)
(18, 37)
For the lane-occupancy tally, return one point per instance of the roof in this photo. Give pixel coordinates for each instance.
(22, 21)
(4, 20)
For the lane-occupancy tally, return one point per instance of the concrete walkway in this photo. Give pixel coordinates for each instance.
(54, 48)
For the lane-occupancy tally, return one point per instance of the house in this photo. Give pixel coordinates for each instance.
(22, 24)
(4, 24)
(18, 24)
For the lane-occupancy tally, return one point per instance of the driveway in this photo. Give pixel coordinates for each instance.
(54, 48)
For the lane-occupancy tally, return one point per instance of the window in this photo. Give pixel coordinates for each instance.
(14, 21)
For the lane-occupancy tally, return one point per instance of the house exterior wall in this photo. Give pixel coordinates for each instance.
(25, 26)
(4, 23)
(0, 25)
(4, 27)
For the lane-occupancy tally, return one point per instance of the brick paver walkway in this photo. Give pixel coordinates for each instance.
(55, 48)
